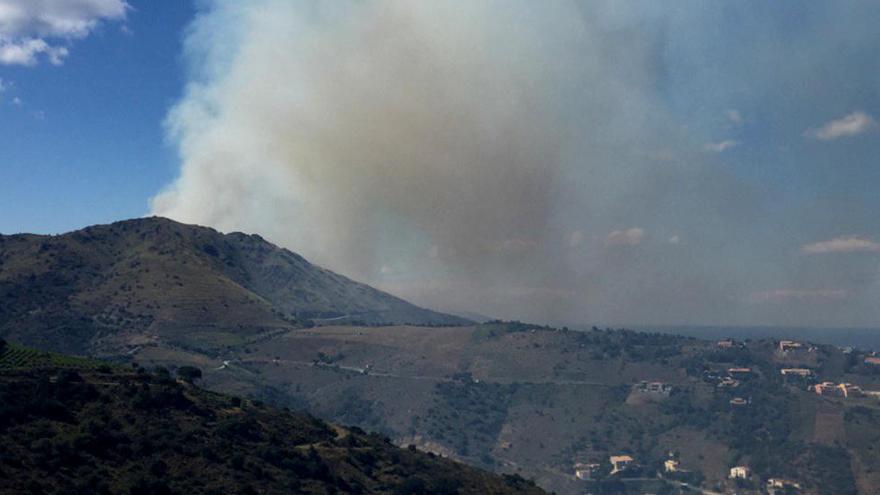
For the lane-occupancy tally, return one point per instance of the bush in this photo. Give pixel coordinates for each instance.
(189, 374)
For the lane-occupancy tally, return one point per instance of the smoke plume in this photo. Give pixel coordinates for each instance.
(512, 158)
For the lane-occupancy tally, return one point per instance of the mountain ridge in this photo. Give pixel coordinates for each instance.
(141, 278)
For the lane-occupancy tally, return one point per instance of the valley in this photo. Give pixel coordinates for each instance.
(536, 401)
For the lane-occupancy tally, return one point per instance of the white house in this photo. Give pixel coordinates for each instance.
(671, 466)
(739, 472)
(585, 471)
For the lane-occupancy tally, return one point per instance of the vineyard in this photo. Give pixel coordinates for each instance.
(17, 357)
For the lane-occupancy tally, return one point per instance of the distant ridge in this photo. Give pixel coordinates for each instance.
(109, 286)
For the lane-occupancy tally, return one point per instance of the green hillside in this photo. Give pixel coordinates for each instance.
(103, 430)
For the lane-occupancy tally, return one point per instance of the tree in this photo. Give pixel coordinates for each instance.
(189, 374)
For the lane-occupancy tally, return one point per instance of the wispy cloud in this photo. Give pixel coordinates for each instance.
(29, 29)
(629, 237)
(846, 244)
(783, 295)
(721, 146)
(849, 125)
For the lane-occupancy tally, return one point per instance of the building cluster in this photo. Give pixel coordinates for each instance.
(732, 379)
(773, 485)
(786, 346)
(586, 471)
(621, 463)
(781, 486)
(589, 471)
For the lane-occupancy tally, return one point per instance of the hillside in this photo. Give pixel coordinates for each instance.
(110, 288)
(535, 401)
(92, 428)
(510, 397)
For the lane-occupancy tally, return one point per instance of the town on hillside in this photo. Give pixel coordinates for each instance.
(796, 367)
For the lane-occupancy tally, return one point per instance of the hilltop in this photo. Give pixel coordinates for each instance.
(108, 288)
(75, 426)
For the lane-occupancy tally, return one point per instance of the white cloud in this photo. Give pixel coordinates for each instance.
(26, 52)
(721, 146)
(846, 244)
(31, 30)
(734, 116)
(783, 295)
(17, 101)
(849, 125)
(628, 237)
(674, 239)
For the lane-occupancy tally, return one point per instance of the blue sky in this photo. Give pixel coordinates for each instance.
(86, 145)
(625, 163)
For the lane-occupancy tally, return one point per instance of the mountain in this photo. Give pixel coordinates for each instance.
(511, 397)
(111, 287)
(74, 426)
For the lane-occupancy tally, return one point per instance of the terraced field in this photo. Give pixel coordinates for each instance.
(14, 357)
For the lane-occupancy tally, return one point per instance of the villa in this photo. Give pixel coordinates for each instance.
(739, 473)
(620, 463)
(585, 471)
(789, 345)
(801, 372)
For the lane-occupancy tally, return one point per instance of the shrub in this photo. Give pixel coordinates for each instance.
(189, 374)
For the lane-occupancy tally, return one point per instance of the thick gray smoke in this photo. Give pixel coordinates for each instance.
(331, 125)
(510, 158)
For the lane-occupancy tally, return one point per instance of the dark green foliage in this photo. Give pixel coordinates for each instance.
(189, 373)
(468, 415)
(830, 468)
(84, 431)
